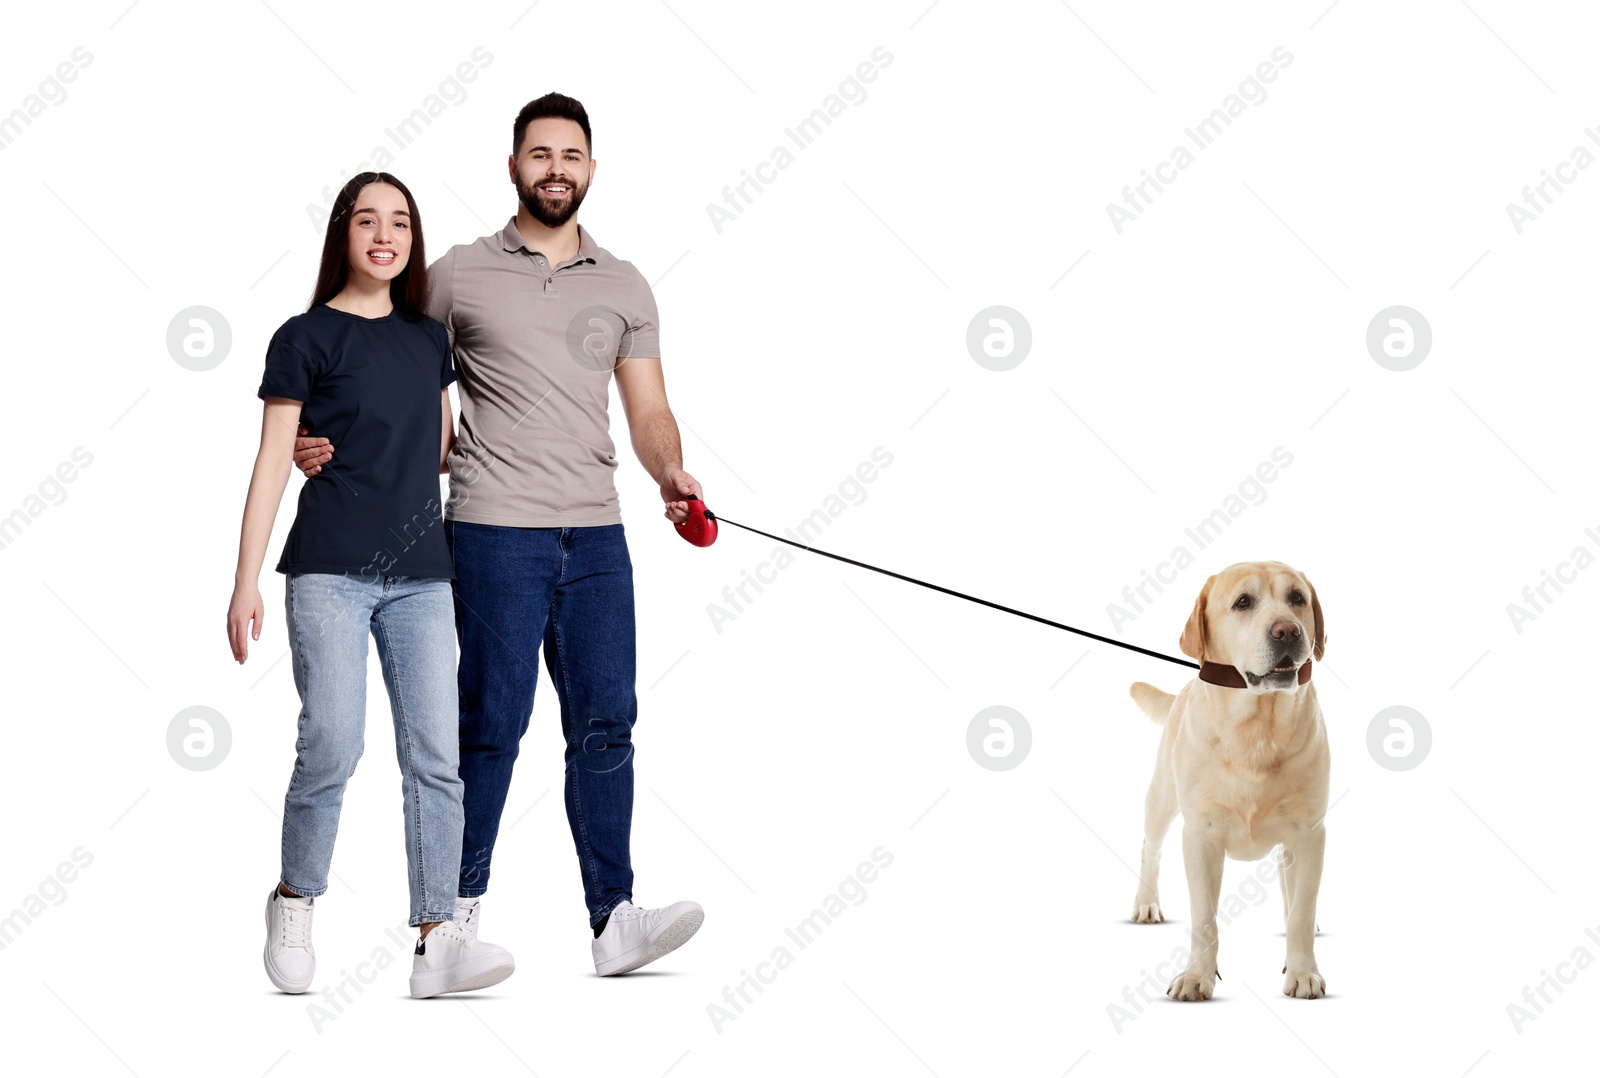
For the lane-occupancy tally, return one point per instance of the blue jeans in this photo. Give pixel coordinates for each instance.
(329, 616)
(572, 590)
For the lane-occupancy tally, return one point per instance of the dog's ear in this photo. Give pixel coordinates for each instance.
(1319, 638)
(1193, 641)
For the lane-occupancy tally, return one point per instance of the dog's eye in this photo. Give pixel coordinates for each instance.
(1296, 598)
(1243, 602)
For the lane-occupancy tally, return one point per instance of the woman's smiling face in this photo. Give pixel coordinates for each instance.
(380, 232)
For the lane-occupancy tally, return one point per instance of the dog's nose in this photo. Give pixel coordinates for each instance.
(1284, 629)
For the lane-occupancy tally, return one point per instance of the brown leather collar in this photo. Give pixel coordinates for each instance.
(1229, 677)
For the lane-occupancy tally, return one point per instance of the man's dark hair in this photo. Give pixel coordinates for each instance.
(551, 104)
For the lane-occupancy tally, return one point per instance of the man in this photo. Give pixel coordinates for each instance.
(540, 318)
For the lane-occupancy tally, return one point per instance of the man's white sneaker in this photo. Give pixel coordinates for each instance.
(450, 960)
(466, 916)
(289, 957)
(635, 936)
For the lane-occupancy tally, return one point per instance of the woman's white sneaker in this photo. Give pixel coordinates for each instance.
(634, 936)
(466, 916)
(451, 960)
(289, 957)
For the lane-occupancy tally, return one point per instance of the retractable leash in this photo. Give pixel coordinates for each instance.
(701, 529)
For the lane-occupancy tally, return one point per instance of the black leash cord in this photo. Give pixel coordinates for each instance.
(961, 595)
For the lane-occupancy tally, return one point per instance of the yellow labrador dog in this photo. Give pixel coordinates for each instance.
(1244, 757)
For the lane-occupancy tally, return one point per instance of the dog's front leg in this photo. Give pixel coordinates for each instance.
(1304, 854)
(1202, 863)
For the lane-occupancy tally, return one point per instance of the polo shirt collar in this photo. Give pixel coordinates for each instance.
(511, 240)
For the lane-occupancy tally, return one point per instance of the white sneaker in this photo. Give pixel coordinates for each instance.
(450, 960)
(289, 957)
(466, 916)
(635, 936)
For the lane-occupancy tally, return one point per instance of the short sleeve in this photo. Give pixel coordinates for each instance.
(642, 338)
(447, 365)
(441, 294)
(289, 372)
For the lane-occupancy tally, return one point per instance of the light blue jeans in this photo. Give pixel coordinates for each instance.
(413, 621)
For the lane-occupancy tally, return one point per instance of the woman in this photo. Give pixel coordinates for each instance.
(366, 553)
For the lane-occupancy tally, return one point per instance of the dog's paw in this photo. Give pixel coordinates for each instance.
(1148, 913)
(1192, 985)
(1304, 984)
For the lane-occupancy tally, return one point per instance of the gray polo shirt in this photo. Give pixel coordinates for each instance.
(535, 346)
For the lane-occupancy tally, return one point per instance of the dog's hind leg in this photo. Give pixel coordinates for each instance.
(1160, 808)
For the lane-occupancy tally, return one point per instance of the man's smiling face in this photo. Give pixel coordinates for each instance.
(553, 170)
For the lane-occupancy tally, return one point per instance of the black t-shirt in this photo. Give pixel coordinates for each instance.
(371, 387)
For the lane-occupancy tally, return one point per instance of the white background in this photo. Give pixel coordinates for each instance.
(830, 717)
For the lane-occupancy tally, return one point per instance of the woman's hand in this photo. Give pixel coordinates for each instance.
(244, 610)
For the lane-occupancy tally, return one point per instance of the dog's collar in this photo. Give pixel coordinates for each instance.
(1230, 678)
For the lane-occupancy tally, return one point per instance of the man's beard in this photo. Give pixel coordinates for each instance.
(551, 215)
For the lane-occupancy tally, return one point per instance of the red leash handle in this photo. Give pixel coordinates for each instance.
(701, 526)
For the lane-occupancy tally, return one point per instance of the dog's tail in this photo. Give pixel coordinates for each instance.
(1152, 701)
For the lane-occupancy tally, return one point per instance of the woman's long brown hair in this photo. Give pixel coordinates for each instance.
(409, 289)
